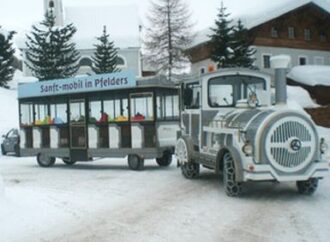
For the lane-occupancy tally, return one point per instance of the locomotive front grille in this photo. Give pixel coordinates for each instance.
(290, 144)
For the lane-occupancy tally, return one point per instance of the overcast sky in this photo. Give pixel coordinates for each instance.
(21, 14)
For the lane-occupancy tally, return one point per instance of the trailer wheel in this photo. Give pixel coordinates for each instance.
(68, 161)
(135, 162)
(44, 160)
(307, 187)
(165, 160)
(3, 152)
(190, 170)
(232, 188)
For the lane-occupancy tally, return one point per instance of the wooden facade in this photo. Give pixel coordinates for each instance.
(275, 32)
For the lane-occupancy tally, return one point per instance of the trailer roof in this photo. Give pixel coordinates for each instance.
(95, 83)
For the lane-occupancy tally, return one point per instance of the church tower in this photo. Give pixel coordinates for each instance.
(57, 7)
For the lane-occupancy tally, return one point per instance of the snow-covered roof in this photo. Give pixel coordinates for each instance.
(258, 17)
(122, 23)
(311, 75)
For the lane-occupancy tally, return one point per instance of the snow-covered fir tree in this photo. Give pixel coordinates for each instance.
(6, 57)
(105, 56)
(222, 40)
(168, 35)
(51, 54)
(243, 52)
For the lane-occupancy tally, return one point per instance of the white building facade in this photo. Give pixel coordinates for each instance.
(89, 22)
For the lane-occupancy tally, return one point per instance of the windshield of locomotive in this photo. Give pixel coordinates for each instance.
(224, 91)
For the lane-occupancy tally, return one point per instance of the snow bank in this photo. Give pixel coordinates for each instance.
(18, 78)
(2, 189)
(311, 75)
(301, 97)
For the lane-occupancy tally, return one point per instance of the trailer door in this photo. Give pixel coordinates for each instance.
(78, 132)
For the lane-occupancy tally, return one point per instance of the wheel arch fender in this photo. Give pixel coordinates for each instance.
(237, 160)
(190, 148)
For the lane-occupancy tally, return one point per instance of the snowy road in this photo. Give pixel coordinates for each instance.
(105, 201)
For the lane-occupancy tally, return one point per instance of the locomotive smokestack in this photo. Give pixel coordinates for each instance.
(280, 63)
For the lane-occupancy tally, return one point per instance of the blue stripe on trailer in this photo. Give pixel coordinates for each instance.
(99, 82)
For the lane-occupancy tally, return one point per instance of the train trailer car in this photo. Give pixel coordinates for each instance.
(228, 124)
(111, 115)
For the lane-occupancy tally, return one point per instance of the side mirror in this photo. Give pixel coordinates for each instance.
(187, 96)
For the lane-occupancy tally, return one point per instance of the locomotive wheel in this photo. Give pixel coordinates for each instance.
(165, 160)
(68, 161)
(135, 162)
(232, 188)
(184, 150)
(307, 187)
(45, 160)
(190, 170)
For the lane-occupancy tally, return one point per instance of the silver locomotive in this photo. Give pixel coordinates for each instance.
(228, 124)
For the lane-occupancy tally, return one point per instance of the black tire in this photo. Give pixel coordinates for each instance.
(3, 152)
(307, 187)
(44, 160)
(232, 188)
(17, 151)
(135, 162)
(68, 161)
(190, 170)
(165, 160)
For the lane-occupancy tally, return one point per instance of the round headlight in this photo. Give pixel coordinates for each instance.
(248, 149)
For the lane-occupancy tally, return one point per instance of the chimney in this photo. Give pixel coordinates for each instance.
(280, 63)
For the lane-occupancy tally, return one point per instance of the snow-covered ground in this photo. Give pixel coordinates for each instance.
(105, 201)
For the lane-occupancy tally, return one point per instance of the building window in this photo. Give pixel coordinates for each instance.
(307, 34)
(302, 61)
(274, 33)
(120, 61)
(319, 61)
(85, 62)
(202, 70)
(323, 37)
(266, 61)
(291, 34)
(51, 4)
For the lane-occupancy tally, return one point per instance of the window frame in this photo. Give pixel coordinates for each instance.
(263, 60)
(196, 85)
(302, 57)
(291, 32)
(131, 97)
(274, 32)
(307, 34)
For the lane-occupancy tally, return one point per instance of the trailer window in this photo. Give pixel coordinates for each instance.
(26, 114)
(116, 109)
(77, 112)
(42, 116)
(58, 113)
(168, 107)
(142, 107)
(95, 112)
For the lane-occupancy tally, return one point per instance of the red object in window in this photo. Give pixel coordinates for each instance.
(138, 117)
(103, 119)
